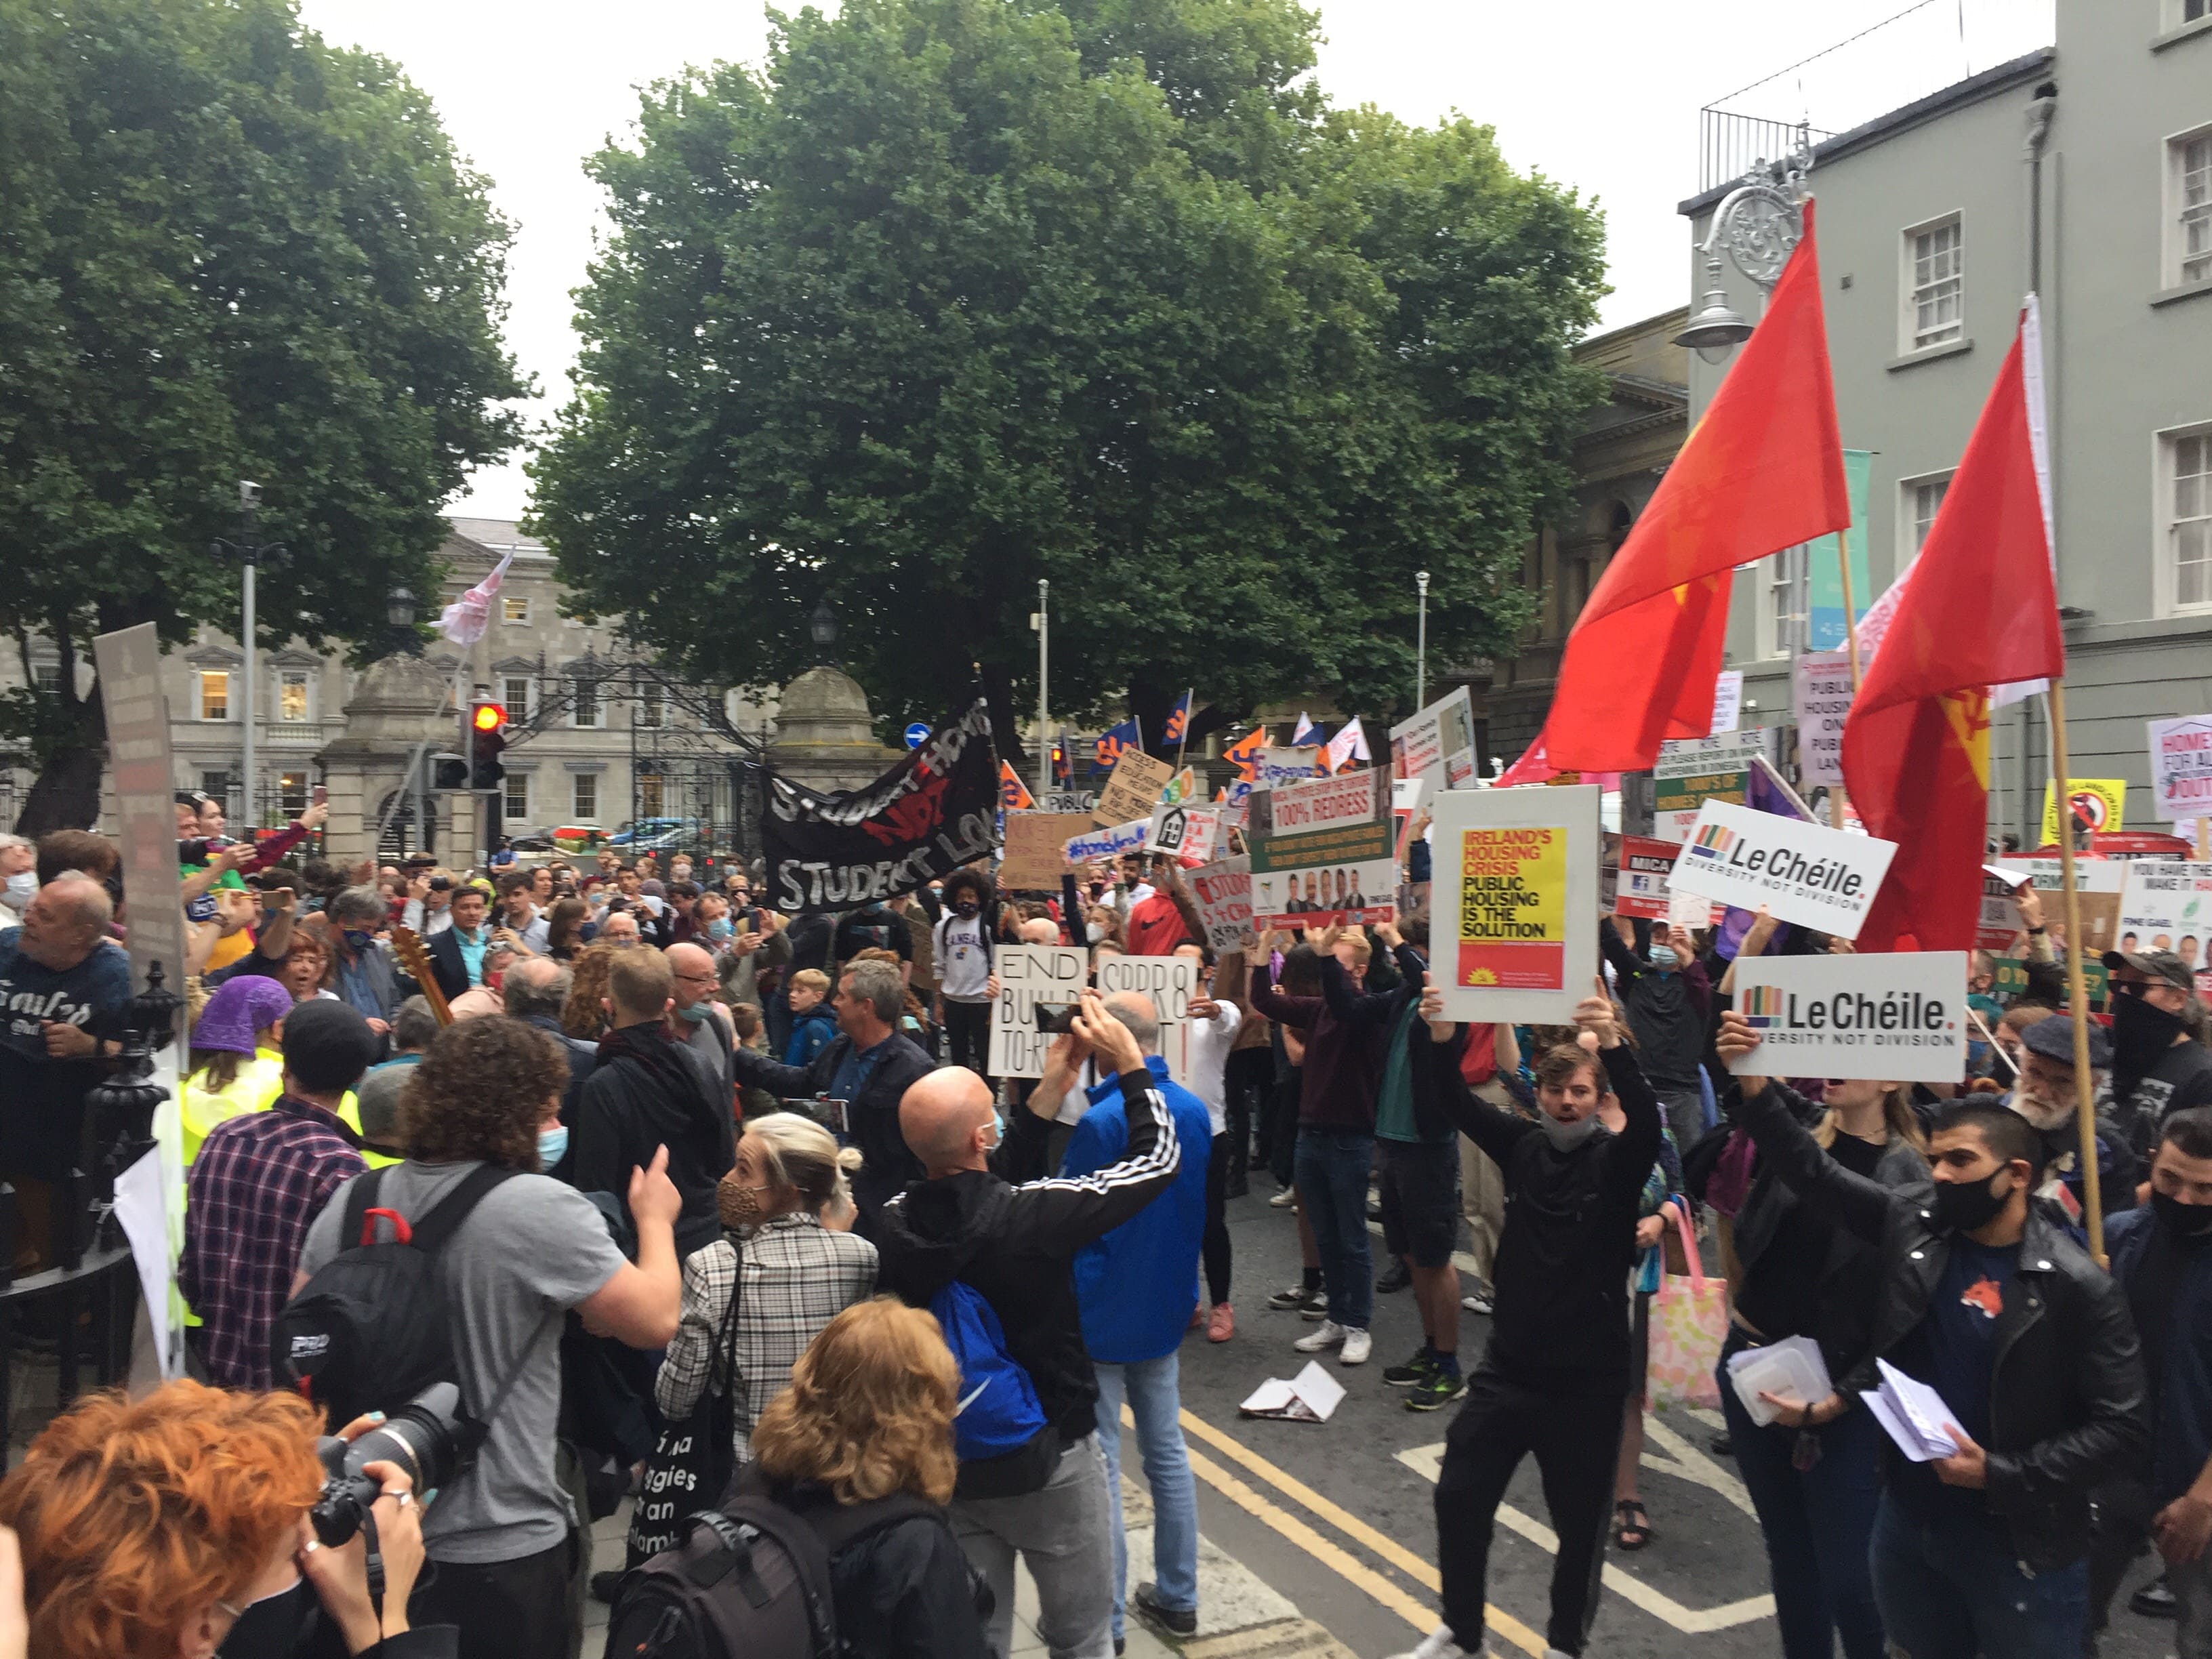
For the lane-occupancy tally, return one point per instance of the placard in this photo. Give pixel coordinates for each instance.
(1728, 701)
(2167, 905)
(1133, 790)
(1802, 872)
(1515, 908)
(2097, 883)
(1898, 1017)
(1034, 859)
(2012, 980)
(1192, 834)
(1277, 767)
(2181, 768)
(1999, 923)
(1820, 700)
(1107, 843)
(2101, 801)
(1170, 982)
(1691, 771)
(1437, 744)
(1646, 864)
(1320, 852)
(1029, 975)
(1068, 800)
(1224, 893)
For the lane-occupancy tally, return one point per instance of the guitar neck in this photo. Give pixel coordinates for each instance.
(407, 946)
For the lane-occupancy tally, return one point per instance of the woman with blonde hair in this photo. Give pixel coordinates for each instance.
(862, 1443)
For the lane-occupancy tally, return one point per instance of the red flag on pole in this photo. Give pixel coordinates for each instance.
(1978, 609)
(1762, 470)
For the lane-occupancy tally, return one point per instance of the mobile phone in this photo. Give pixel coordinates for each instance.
(829, 1114)
(321, 794)
(1055, 1019)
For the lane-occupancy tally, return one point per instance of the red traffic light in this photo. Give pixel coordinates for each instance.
(488, 717)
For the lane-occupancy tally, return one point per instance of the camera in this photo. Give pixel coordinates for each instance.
(424, 1438)
(442, 884)
(1055, 1019)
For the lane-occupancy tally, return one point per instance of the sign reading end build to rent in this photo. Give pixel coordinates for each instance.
(1802, 872)
(1514, 906)
(1899, 1018)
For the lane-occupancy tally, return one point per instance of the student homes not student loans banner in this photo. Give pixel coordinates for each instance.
(932, 812)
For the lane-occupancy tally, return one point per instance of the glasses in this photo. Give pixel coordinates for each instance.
(2133, 988)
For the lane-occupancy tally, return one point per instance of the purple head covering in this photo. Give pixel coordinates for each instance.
(238, 1008)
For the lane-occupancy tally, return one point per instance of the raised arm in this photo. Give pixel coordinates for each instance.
(1497, 1132)
(1835, 1194)
(1074, 1210)
(1266, 999)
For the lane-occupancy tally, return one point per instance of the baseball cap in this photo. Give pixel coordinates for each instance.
(327, 1045)
(2158, 964)
(2052, 1038)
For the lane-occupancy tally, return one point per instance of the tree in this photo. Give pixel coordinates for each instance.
(957, 294)
(226, 251)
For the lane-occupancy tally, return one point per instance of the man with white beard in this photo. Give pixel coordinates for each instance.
(2046, 1097)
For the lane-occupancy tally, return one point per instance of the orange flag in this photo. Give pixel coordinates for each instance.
(1763, 470)
(1979, 609)
(1013, 794)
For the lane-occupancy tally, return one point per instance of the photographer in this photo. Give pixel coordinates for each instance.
(178, 1525)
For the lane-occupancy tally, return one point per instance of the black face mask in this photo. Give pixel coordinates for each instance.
(273, 1628)
(2185, 1221)
(2140, 1033)
(965, 908)
(1963, 1206)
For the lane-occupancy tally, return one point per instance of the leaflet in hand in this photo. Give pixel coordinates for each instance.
(1912, 1413)
(1792, 1369)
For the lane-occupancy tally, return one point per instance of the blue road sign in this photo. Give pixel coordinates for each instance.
(916, 735)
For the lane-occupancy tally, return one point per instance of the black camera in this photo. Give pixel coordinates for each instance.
(425, 1439)
(1056, 1019)
(442, 884)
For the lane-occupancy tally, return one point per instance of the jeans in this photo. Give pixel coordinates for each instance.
(1156, 1401)
(1816, 1523)
(2192, 1590)
(1064, 1532)
(1213, 1244)
(1953, 1591)
(1332, 1166)
(528, 1609)
(1283, 1129)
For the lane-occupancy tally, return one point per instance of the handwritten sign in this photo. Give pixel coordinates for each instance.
(1169, 982)
(1133, 790)
(1107, 843)
(1192, 833)
(1224, 893)
(1034, 857)
(1821, 695)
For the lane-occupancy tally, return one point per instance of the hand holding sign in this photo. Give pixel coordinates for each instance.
(1737, 1039)
(1595, 1015)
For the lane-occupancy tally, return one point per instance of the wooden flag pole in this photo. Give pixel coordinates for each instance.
(1184, 742)
(2077, 989)
(1837, 797)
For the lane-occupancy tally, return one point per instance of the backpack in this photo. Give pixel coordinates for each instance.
(371, 1330)
(998, 1413)
(749, 1580)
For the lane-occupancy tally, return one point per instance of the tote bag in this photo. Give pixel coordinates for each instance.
(1689, 1322)
(693, 1461)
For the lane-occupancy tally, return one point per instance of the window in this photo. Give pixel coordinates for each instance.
(651, 704)
(1935, 285)
(214, 695)
(2189, 207)
(1785, 606)
(514, 611)
(584, 711)
(292, 793)
(1918, 501)
(2188, 492)
(586, 803)
(514, 692)
(292, 695)
(218, 785)
(517, 788)
(47, 676)
(649, 795)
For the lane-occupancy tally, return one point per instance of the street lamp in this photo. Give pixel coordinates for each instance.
(822, 624)
(1421, 650)
(1758, 224)
(400, 607)
(252, 553)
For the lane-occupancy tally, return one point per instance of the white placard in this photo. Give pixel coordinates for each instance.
(1067, 800)
(1514, 909)
(1108, 843)
(1999, 922)
(1170, 982)
(2181, 767)
(1820, 698)
(1900, 1017)
(1802, 872)
(1029, 975)
(2167, 905)
(142, 1211)
(1224, 893)
(1728, 700)
(1192, 834)
(1278, 767)
(1437, 744)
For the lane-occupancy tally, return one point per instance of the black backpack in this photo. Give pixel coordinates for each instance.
(371, 1330)
(749, 1580)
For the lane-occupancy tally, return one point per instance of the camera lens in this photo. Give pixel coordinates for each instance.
(421, 1440)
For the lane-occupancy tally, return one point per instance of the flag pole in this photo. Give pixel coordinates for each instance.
(2077, 990)
(1837, 797)
(1184, 742)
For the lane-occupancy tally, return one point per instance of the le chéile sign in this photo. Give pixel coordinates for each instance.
(1899, 1018)
(1802, 872)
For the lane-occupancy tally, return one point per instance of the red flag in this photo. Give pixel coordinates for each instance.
(1762, 470)
(1979, 609)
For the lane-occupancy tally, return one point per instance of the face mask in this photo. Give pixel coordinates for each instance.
(1095, 932)
(1963, 1206)
(740, 1205)
(1662, 956)
(966, 907)
(552, 1144)
(719, 928)
(358, 939)
(696, 1014)
(22, 887)
(2140, 1033)
(998, 1129)
(2182, 1220)
(273, 1628)
(1566, 1137)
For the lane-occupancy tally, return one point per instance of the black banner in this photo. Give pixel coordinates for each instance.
(932, 812)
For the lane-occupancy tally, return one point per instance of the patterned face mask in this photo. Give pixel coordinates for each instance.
(740, 1205)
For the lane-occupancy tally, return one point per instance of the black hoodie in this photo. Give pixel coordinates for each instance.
(647, 1092)
(1016, 1247)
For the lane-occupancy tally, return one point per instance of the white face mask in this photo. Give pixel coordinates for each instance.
(1566, 1137)
(1095, 932)
(22, 887)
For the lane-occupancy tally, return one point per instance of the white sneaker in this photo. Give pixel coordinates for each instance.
(1358, 1345)
(1284, 1200)
(1479, 1302)
(1439, 1645)
(1327, 1335)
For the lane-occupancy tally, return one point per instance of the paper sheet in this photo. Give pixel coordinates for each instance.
(1312, 1396)
(1912, 1413)
(142, 1211)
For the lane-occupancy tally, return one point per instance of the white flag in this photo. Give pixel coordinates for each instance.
(464, 621)
(1349, 745)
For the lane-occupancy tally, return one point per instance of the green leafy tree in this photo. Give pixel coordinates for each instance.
(226, 251)
(957, 294)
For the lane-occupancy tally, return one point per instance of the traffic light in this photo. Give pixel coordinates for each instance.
(487, 741)
(1061, 771)
(449, 771)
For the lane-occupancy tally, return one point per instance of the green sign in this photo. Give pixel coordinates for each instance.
(2012, 980)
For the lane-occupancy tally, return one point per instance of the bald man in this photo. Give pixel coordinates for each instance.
(1016, 1247)
(695, 1019)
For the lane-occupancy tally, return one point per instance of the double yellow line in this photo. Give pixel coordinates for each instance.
(1325, 1550)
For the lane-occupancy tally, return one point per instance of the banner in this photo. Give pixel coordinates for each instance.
(1133, 790)
(1107, 843)
(1821, 701)
(1320, 852)
(1802, 872)
(932, 812)
(1437, 744)
(2098, 802)
(1691, 771)
(1514, 910)
(2001, 923)
(1029, 975)
(2168, 906)
(1170, 982)
(1034, 860)
(2181, 768)
(1192, 834)
(1277, 767)
(1899, 1018)
(2097, 883)
(1824, 566)
(1646, 864)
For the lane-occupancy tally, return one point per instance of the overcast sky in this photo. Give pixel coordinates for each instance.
(1604, 96)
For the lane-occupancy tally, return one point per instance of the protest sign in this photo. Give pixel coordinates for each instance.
(2167, 905)
(1107, 843)
(1068, 800)
(2012, 979)
(1320, 852)
(1170, 982)
(1515, 899)
(1823, 563)
(2099, 803)
(1192, 834)
(1646, 864)
(1033, 858)
(1820, 697)
(2181, 767)
(1728, 701)
(932, 812)
(1900, 1018)
(1437, 744)
(1802, 872)
(1133, 790)
(2000, 924)
(1223, 892)
(2097, 883)
(1029, 975)
(1609, 871)
(1691, 771)
(1280, 766)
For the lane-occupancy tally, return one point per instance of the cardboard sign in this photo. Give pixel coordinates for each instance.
(2097, 883)
(2181, 767)
(1033, 861)
(1802, 872)
(1820, 700)
(1999, 923)
(1133, 790)
(2100, 802)
(1437, 746)
(1691, 771)
(1277, 767)
(1029, 975)
(1170, 982)
(2168, 906)
(1108, 843)
(1320, 852)
(1728, 701)
(1515, 901)
(1900, 1018)
(1224, 893)
(1646, 864)
(1192, 834)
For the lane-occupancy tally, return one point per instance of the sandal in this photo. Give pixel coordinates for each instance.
(1631, 1527)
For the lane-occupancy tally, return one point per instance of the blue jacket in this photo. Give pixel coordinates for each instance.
(2182, 1438)
(810, 1033)
(1138, 1284)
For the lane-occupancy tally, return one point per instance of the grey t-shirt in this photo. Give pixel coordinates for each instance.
(531, 1249)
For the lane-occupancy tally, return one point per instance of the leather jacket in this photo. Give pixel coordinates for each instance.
(2067, 1406)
